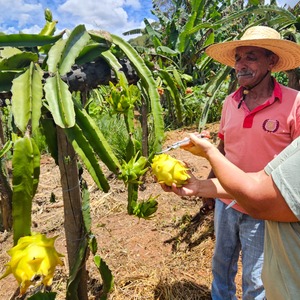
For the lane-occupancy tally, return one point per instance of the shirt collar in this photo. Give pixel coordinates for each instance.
(277, 92)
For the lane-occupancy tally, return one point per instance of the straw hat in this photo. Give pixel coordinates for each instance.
(263, 37)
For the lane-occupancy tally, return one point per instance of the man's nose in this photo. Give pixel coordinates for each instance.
(241, 65)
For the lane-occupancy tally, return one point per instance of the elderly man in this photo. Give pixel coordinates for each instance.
(258, 121)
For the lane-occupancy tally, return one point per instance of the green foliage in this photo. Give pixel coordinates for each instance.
(108, 282)
(96, 139)
(179, 38)
(178, 86)
(27, 96)
(97, 104)
(47, 100)
(122, 97)
(282, 78)
(146, 209)
(40, 140)
(114, 130)
(149, 92)
(132, 171)
(7, 147)
(26, 171)
(43, 296)
(105, 272)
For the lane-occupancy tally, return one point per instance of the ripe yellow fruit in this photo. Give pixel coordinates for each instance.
(33, 261)
(169, 170)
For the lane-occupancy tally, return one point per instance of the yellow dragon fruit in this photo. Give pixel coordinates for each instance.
(169, 170)
(33, 261)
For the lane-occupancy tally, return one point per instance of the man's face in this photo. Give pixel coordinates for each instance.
(251, 64)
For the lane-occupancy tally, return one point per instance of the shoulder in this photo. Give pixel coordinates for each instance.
(287, 91)
(291, 153)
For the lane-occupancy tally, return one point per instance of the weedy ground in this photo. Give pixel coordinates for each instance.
(167, 257)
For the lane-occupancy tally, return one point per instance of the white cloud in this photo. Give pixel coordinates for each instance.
(115, 16)
(18, 13)
(133, 3)
(109, 15)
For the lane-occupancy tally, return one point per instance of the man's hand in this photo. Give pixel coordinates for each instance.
(198, 146)
(188, 189)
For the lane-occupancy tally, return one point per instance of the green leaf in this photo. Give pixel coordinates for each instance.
(78, 38)
(213, 88)
(75, 273)
(97, 140)
(49, 130)
(172, 88)
(155, 36)
(36, 96)
(149, 85)
(86, 213)
(26, 171)
(132, 197)
(43, 296)
(54, 55)
(261, 9)
(28, 40)
(93, 244)
(113, 62)
(18, 61)
(49, 28)
(27, 93)
(7, 52)
(90, 53)
(166, 50)
(6, 79)
(6, 148)
(60, 102)
(48, 15)
(254, 2)
(101, 36)
(107, 277)
(84, 150)
(146, 209)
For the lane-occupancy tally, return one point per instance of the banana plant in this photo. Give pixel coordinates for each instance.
(178, 41)
(33, 71)
(287, 22)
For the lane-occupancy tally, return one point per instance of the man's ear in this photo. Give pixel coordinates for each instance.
(273, 61)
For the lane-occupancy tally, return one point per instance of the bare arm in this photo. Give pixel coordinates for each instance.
(209, 202)
(209, 188)
(255, 192)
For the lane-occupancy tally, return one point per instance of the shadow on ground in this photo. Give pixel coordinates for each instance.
(181, 290)
(193, 230)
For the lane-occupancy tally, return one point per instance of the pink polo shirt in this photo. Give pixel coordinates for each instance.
(253, 138)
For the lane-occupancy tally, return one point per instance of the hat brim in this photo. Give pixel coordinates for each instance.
(287, 51)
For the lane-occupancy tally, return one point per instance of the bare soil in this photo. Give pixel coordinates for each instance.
(167, 257)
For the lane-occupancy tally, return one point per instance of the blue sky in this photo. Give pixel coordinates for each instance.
(114, 16)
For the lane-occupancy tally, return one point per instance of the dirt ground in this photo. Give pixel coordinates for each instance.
(167, 257)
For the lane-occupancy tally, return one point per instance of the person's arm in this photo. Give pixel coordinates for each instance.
(208, 188)
(209, 202)
(255, 192)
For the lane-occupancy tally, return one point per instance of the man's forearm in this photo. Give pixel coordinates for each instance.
(211, 188)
